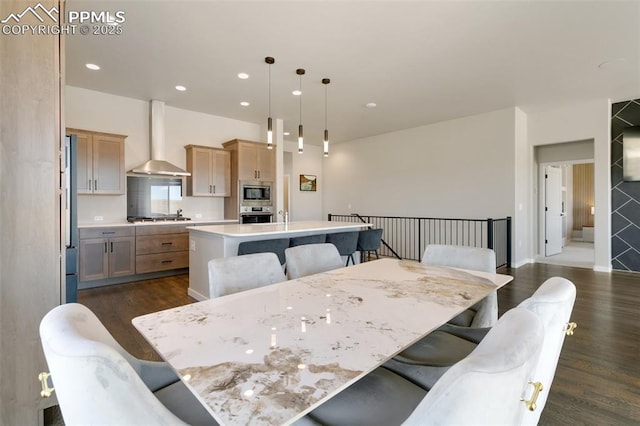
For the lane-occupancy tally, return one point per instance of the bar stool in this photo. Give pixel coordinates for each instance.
(307, 239)
(369, 241)
(346, 243)
(275, 245)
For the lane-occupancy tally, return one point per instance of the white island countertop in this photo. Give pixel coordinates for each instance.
(261, 229)
(215, 241)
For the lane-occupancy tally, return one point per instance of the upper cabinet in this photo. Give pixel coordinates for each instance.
(100, 162)
(254, 161)
(210, 170)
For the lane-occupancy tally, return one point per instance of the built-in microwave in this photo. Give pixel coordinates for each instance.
(253, 193)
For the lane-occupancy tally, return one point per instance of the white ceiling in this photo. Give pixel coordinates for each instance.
(421, 61)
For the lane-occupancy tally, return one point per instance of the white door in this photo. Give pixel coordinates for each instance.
(553, 210)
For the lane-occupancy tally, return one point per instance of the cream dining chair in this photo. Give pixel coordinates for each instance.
(311, 259)
(425, 362)
(229, 275)
(97, 382)
(485, 312)
(485, 388)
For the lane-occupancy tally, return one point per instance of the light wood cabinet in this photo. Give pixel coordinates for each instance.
(106, 253)
(161, 248)
(210, 170)
(249, 161)
(100, 162)
(254, 161)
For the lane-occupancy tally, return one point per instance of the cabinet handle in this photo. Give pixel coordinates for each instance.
(112, 247)
(108, 232)
(258, 174)
(209, 189)
(214, 189)
(105, 246)
(167, 244)
(164, 262)
(95, 184)
(90, 184)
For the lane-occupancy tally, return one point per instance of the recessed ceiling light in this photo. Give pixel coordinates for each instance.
(371, 105)
(181, 88)
(287, 133)
(92, 67)
(296, 92)
(243, 75)
(245, 103)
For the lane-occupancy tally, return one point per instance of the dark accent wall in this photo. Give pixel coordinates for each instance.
(625, 196)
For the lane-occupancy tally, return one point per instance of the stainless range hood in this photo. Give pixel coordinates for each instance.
(157, 165)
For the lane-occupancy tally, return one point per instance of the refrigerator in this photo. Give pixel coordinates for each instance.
(71, 219)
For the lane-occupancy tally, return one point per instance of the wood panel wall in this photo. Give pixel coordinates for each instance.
(30, 247)
(583, 195)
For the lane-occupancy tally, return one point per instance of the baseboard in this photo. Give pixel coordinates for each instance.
(198, 296)
(602, 268)
(522, 263)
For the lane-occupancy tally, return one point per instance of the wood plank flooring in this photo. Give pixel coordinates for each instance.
(598, 376)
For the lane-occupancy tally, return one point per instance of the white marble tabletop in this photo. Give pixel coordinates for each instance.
(269, 355)
(255, 229)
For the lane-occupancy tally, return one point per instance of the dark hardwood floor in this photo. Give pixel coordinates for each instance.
(598, 377)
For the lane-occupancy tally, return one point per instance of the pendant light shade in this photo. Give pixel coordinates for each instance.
(325, 140)
(269, 60)
(300, 73)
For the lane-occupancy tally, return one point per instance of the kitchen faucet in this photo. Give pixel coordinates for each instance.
(285, 215)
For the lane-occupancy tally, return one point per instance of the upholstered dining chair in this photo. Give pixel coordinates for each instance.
(485, 312)
(428, 359)
(229, 275)
(97, 382)
(274, 245)
(484, 388)
(311, 259)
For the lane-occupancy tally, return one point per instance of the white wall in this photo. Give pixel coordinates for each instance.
(460, 168)
(522, 249)
(91, 110)
(579, 122)
(306, 205)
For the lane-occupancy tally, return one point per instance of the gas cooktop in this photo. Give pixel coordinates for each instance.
(135, 219)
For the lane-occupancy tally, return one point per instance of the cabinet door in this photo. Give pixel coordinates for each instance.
(85, 163)
(94, 259)
(247, 161)
(201, 173)
(266, 164)
(108, 164)
(122, 256)
(221, 173)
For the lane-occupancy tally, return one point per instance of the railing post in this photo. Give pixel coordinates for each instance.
(329, 217)
(490, 233)
(509, 243)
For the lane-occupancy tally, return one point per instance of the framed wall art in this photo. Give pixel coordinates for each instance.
(307, 182)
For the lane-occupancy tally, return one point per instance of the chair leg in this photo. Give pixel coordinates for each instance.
(376, 252)
(350, 257)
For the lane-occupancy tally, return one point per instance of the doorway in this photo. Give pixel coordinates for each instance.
(566, 214)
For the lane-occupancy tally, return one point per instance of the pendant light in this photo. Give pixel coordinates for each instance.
(269, 60)
(300, 72)
(325, 140)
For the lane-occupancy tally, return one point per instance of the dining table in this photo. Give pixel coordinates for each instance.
(269, 355)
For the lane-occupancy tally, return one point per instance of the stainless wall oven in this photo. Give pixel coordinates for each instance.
(262, 214)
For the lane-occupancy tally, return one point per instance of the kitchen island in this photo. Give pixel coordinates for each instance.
(210, 242)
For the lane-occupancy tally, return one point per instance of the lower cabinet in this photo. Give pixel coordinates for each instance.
(161, 248)
(106, 253)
